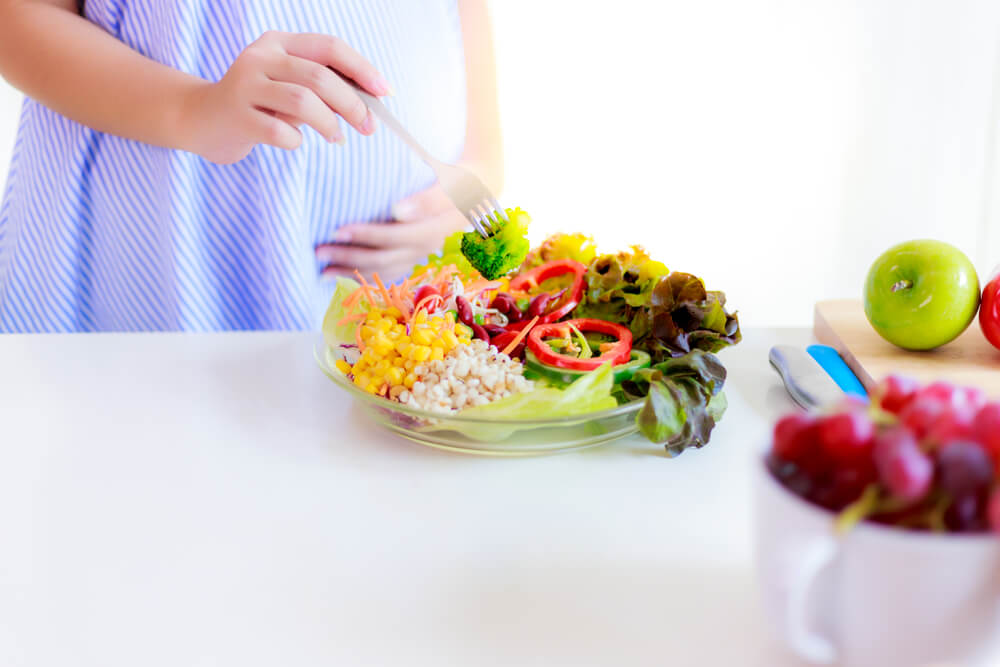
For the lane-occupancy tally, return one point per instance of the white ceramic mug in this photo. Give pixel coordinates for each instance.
(877, 596)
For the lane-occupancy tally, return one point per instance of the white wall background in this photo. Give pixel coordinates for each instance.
(774, 147)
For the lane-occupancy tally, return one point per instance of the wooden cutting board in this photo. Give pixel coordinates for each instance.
(969, 360)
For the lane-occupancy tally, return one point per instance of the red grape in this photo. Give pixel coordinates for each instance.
(974, 397)
(993, 511)
(940, 391)
(895, 392)
(951, 425)
(921, 414)
(846, 436)
(986, 428)
(794, 437)
(965, 469)
(965, 515)
(902, 467)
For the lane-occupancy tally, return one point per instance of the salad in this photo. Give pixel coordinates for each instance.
(492, 328)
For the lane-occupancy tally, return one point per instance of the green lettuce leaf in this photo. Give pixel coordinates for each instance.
(578, 247)
(451, 253)
(683, 400)
(333, 334)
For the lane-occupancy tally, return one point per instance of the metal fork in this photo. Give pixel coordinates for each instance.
(464, 189)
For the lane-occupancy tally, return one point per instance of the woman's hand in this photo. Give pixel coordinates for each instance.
(279, 83)
(392, 249)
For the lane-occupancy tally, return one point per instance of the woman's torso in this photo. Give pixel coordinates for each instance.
(102, 233)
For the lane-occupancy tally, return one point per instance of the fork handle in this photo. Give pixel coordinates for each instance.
(390, 121)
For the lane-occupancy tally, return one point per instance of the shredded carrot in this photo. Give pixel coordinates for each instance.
(397, 300)
(382, 290)
(444, 274)
(367, 289)
(357, 317)
(353, 298)
(520, 336)
(357, 338)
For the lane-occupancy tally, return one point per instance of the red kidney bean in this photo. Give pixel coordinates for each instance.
(503, 302)
(514, 314)
(464, 309)
(479, 332)
(494, 329)
(538, 304)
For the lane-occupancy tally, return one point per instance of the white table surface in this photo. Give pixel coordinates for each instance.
(176, 500)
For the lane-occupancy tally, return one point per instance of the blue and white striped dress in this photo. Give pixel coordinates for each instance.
(99, 233)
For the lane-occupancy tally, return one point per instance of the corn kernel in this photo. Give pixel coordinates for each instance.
(382, 366)
(410, 364)
(420, 353)
(449, 317)
(393, 312)
(374, 315)
(367, 331)
(364, 379)
(438, 342)
(343, 366)
(409, 380)
(360, 366)
(372, 388)
(398, 362)
(384, 324)
(437, 354)
(450, 339)
(400, 329)
(402, 347)
(422, 337)
(420, 317)
(394, 376)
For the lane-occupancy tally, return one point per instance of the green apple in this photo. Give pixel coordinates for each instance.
(921, 294)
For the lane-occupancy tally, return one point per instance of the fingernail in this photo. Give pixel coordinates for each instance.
(341, 140)
(342, 236)
(402, 210)
(368, 125)
(383, 87)
(327, 254)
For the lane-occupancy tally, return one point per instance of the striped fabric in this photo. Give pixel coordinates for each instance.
(99, 233)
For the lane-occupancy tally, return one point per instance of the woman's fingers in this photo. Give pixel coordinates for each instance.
(422, 234)
(427, 202)
(329, 87)
(365, 260)
(334, 52)
(272, 130)
(291, 99)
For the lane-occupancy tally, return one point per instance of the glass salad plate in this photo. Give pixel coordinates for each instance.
(498, 437)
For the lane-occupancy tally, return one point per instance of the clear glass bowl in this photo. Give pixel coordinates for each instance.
(498, 437)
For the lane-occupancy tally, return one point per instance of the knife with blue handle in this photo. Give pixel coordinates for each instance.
(815, 378)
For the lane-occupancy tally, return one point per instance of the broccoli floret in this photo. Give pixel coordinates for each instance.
(502, 252)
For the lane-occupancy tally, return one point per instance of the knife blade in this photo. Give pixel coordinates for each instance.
(806, 380)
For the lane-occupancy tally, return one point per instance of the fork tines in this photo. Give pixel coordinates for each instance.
(484, 215)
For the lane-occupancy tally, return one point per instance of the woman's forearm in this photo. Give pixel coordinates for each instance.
(483, 140)
(72, 66)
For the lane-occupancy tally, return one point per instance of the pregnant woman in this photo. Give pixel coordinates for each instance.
(188, 165)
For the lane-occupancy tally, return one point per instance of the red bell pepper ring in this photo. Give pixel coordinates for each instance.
(529, 280)
(618, 352)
